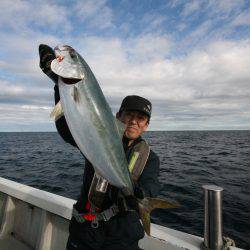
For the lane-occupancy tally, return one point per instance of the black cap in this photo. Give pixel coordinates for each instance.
(138, 103)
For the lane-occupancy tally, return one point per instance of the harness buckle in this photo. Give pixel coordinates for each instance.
(95, 223)
(95, 217)
(79, 218)
(109, 213)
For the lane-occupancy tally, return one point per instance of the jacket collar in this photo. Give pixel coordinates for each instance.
(126, 141)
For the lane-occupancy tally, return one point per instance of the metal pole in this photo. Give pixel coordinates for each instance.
(213, 218)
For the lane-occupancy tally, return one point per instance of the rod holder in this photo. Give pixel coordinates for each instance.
(212, 217)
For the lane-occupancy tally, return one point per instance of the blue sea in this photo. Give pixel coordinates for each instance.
(189, 159)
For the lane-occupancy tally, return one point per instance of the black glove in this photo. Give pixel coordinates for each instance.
(47, 55)
(127, 201)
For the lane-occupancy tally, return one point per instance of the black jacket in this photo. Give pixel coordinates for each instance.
(148, 181)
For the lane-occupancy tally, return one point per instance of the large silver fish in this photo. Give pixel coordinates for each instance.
(95, 130)
(90, 118)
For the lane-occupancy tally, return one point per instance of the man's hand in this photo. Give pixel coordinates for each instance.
(128, 201)
(47, 55)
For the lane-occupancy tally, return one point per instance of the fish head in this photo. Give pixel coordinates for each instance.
(67, 63)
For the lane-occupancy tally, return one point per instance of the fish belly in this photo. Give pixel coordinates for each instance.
(93, 128)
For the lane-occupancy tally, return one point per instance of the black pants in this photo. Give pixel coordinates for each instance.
(122, 232)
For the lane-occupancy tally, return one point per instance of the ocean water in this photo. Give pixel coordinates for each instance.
(188, 161)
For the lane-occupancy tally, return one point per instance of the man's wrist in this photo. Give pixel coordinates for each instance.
(47, 55)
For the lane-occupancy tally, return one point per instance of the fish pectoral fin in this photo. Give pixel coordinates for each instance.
(120, 127)
(57, 112)
(147, 205)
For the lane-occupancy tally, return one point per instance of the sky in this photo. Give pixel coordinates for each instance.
(191, 59)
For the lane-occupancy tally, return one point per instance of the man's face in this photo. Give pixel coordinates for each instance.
(136, 123)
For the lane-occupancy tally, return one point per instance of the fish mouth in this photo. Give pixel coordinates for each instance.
(67, 64)
(70, 80)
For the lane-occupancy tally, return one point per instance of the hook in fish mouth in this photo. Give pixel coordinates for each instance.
(59, 58)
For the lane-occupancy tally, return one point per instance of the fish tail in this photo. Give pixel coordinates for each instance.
(147, 205)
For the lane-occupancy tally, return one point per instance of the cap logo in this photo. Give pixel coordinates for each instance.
(147, 109)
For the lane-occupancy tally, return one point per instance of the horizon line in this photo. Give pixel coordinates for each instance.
(191, 130)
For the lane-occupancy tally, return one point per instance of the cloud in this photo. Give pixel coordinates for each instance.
(19, 54)
(196, 73)
(226, 7)
(242, 19)
(23, 14)
(25, 118)
(206, 81)
(97, 13)
(211, 81)
(152, 22)
(198, 34)
(147, 47)
(190, 7)
(25, 93)
(203, 22)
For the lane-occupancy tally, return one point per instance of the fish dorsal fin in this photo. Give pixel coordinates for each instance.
(120, 127)
(57, 112)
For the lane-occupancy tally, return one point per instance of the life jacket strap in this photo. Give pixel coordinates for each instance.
(138, 159)
(79, 217)
(106, 215)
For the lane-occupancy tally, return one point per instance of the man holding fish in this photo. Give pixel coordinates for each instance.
(120, 173)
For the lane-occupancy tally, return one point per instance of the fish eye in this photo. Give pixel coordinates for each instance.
(72, 54)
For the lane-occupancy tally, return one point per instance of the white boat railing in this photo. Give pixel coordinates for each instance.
(34, 219)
